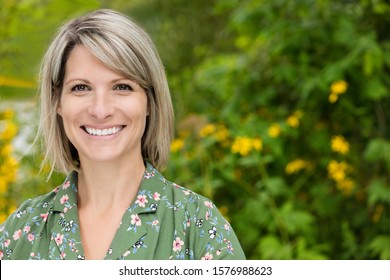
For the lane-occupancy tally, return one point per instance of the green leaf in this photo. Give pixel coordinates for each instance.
(378, 191)
(381, 246)
(275, 186)
(271, 247)
(375, 90)
(304, 253)
(377, 149)
(295, 220)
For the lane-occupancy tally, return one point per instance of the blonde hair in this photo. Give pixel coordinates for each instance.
(126, 49)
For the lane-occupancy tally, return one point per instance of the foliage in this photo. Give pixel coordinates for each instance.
(282, 119)
(308, 81)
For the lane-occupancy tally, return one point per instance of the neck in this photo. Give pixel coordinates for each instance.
(107, 186)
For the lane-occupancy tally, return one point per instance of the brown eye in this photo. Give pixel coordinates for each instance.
(123, 87)
(80, 87)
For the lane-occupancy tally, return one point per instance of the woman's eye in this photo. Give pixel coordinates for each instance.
(80, 88)
(123, 87)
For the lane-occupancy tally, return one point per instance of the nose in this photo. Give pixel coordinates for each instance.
(101, 105)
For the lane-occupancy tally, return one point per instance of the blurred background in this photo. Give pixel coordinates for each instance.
(282, 114)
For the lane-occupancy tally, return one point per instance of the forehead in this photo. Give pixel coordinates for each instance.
(82, 63)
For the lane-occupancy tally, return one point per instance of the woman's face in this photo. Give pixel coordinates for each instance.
(104, 114)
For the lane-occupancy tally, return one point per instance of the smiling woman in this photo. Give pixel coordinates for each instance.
(96, 102)
(107, 121)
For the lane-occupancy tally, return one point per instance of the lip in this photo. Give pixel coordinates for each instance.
(102, 131)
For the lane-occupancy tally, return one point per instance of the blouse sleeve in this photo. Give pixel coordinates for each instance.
(214, 236)
(13, 230)
(23, 229)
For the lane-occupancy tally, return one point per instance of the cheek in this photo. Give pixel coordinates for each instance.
(68, 112)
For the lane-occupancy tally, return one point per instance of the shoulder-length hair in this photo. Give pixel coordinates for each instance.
(125, 48)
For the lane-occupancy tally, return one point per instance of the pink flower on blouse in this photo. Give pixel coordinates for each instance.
(135, 220)
(155, 222)
(44, 216)
(27, 229)
(1, 255)
(62, 255)
(17, 234)
(64, 199)
(207, 215)
(30, 237)
(7, 242)
(177, 243)
(207, 257)
(227, 227)
(156, 196)
(141, 200)
(66, 185)
(59, 238)
(209, 204)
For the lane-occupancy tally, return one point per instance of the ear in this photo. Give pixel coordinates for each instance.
(148, 108)
(59, 109)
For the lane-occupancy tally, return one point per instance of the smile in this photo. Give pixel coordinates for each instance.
(103, 132)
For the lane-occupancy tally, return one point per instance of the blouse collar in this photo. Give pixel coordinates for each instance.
(65, 233)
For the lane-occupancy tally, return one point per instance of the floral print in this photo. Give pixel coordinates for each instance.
(166, 221)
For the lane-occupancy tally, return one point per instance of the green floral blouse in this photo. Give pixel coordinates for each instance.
(166, 221)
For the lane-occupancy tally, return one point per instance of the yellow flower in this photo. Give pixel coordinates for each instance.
(274, 130)
(337, 170)
(6, 150)
(339, 145)
(339, 87)
(222, 133)
(296, 165)
(9, 132)
(257, 144)
(3, 185)
(207, 130)
(9, 168)
(293, 120)
(7, 114)
(242, 146)
(346, 186)
(333, 97)
(177, 145)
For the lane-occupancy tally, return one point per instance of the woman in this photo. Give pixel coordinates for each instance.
(107, 121)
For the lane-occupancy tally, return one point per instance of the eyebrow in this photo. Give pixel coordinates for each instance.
(77, 79)
(88, 82)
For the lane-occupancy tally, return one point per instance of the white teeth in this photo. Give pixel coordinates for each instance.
(103, 132)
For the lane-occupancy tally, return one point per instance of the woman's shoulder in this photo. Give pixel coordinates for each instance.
(199, 221)
(30, 210)
(191, 198)
(176, 194)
